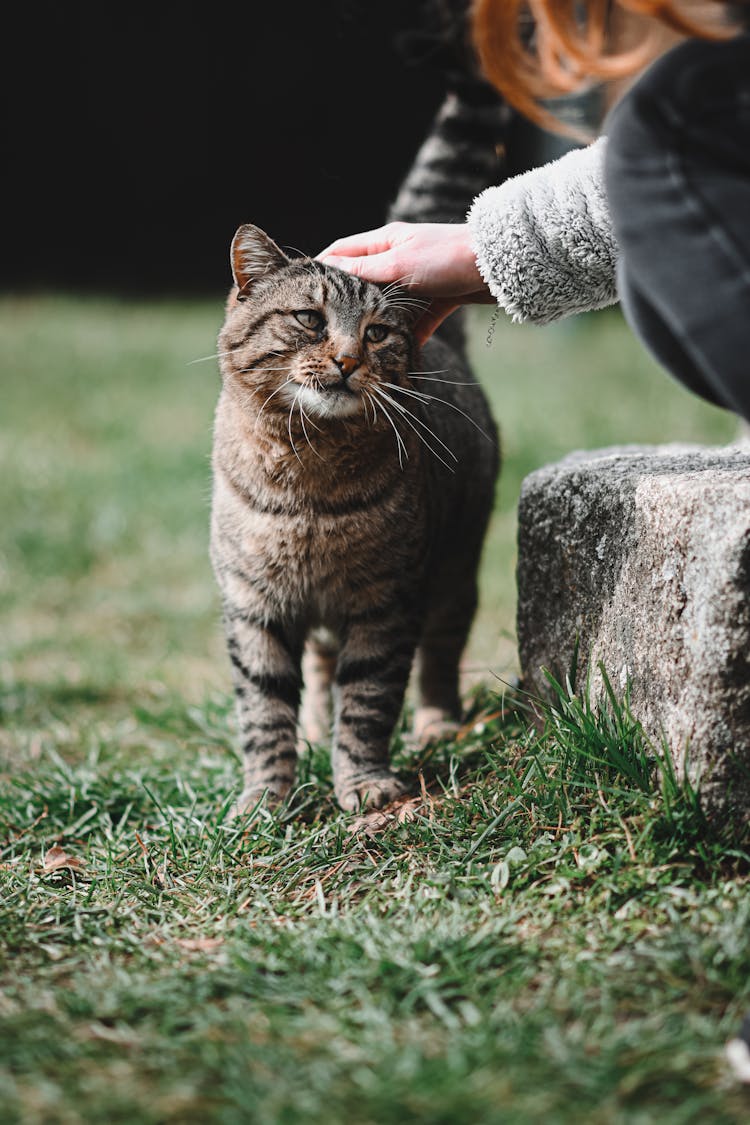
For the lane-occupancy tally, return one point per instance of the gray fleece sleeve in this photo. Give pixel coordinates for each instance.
(544, 241)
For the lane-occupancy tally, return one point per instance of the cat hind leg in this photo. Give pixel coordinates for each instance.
(318, 670)
(438, 711)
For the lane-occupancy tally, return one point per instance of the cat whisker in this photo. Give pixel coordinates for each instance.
(436, 371)
(393, 296)
(371, 400)
(307, 264)
(277, 355)
(399, 440)
(406, 310)
(265, 404)
(403, 302)
(389, 288)
(407, 415)
(205, 358)
(452, 382)
(452, 405)
(420, 395)
(310, 269)
(289, 425)
(374, 410)
(261, 370)
(302, 417)
(309, 420)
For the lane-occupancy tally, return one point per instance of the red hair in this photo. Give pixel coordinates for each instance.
(569, 51)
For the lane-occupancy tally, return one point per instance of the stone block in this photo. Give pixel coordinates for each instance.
(642, 555)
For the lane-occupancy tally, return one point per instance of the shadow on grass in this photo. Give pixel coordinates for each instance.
(23, 703)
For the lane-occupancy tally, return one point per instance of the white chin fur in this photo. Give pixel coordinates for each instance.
(327, 404)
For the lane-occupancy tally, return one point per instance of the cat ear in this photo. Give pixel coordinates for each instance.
(253, 255)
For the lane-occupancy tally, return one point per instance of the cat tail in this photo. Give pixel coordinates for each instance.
(463, 153)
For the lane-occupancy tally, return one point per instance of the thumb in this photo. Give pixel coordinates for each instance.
(432, 318)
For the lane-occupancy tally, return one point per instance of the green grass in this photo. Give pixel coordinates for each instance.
(555, 935)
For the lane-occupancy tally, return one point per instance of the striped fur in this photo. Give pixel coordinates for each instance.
(461, 156)
(353, 481)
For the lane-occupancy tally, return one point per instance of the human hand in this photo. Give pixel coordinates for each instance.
(432, 261)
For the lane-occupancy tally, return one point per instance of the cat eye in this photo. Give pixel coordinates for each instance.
(309, 318)
(376, 332)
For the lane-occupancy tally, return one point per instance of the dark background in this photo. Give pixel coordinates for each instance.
(140, 136)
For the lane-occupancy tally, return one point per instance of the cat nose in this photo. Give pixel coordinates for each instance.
(346, 364)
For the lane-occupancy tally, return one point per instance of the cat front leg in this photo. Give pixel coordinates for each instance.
(370, 681)
(266, 670)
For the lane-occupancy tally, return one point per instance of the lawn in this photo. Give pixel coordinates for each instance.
(553, 935)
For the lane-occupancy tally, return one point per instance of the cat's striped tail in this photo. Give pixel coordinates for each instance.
(462, 155)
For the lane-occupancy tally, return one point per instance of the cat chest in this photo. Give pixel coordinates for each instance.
(318, 547)
(325, 563)
(307, 544)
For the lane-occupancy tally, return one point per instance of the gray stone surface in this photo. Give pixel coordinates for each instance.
(643, 553)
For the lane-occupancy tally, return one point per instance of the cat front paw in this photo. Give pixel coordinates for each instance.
(369, 791)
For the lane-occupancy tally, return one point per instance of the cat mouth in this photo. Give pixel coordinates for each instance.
(341, 389)
(337, 400)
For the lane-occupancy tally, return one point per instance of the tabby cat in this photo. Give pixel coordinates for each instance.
(353, 481)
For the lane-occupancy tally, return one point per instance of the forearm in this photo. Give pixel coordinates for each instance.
(544, 242)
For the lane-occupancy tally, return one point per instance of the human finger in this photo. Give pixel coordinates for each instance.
(373, 267)
(357, 245)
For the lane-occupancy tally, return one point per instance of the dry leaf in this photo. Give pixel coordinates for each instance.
(369, 824)
(56, 857)
(124, 1037)
(407, 810)
(200, 945)
(372, 823)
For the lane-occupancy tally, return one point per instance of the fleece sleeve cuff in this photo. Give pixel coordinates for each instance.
(544, 241)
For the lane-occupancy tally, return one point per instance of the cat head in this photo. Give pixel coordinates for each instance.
(303, 335)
